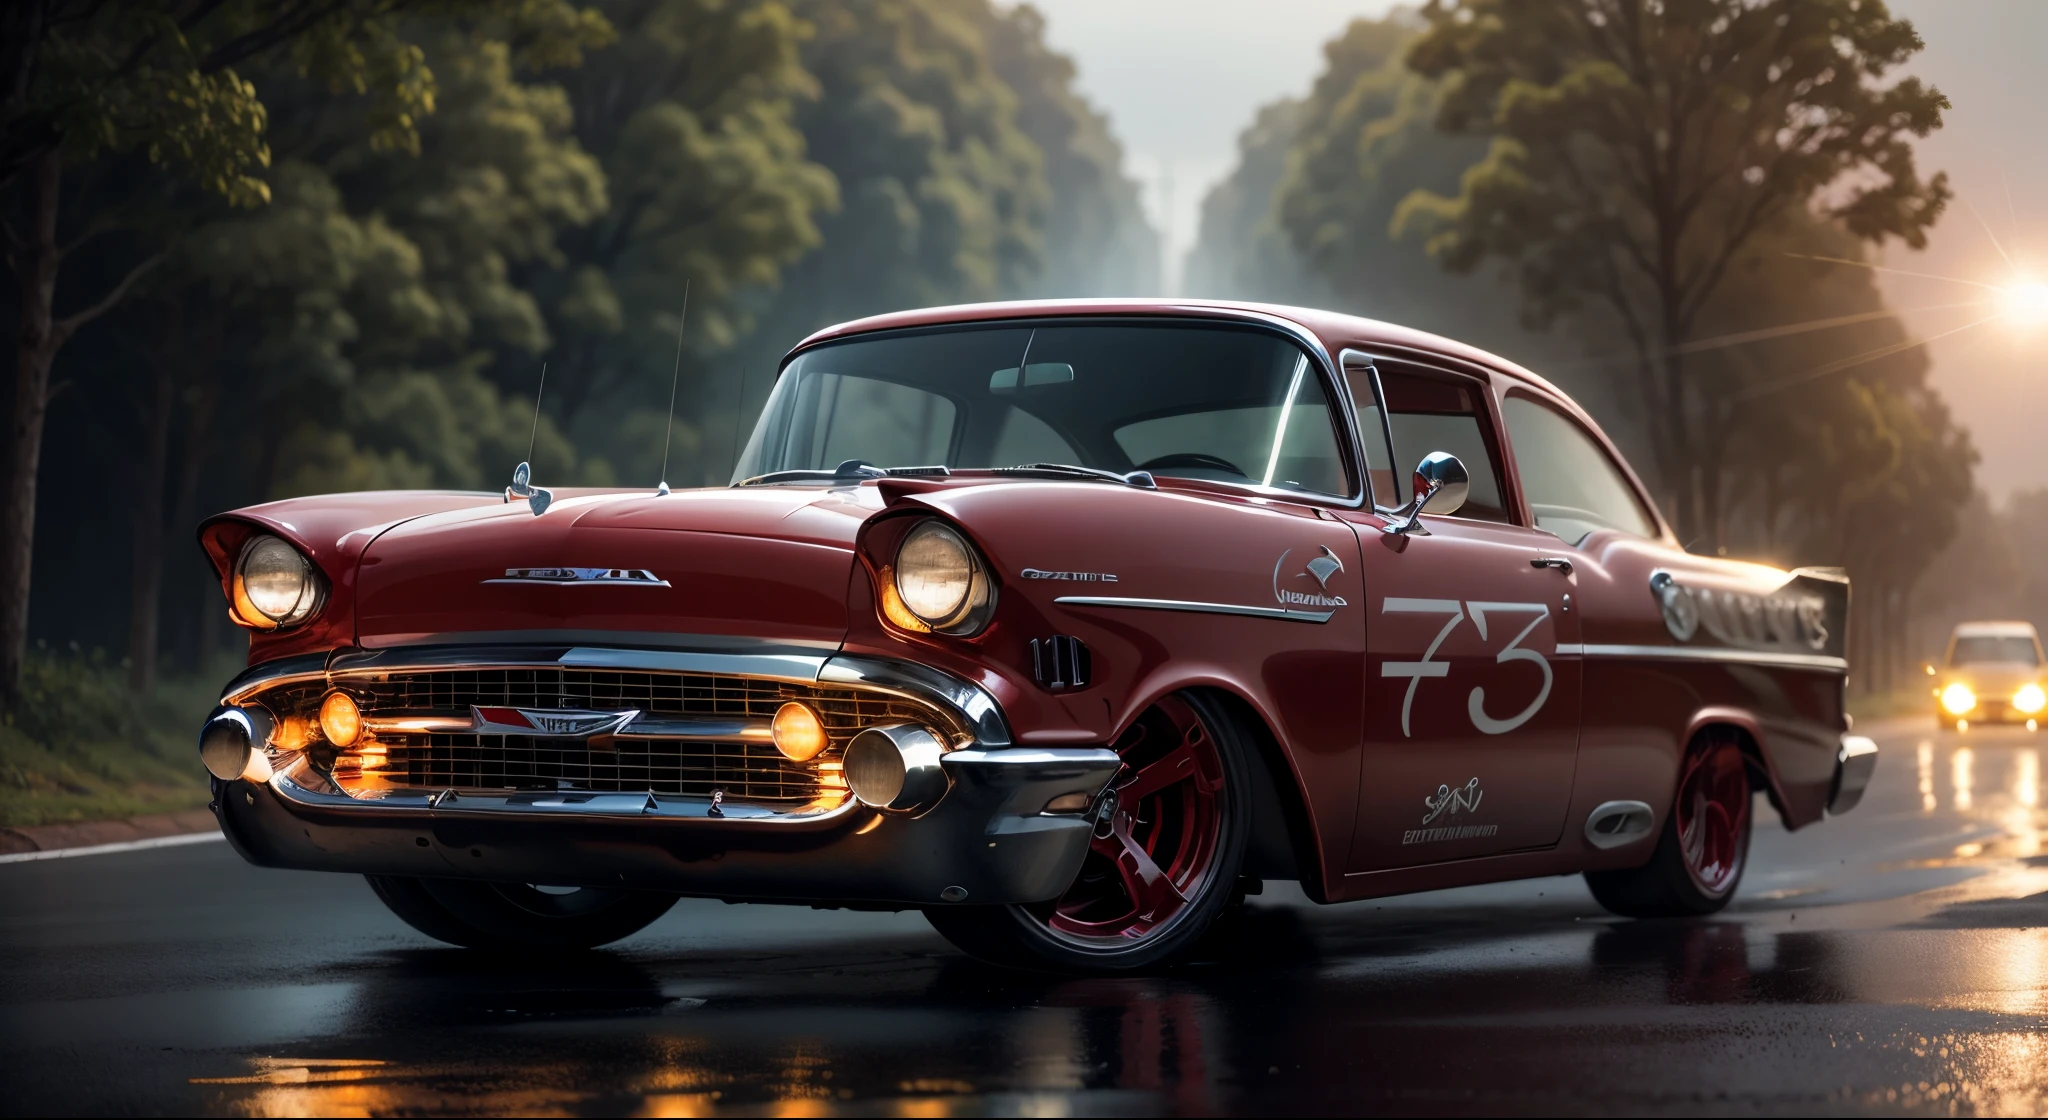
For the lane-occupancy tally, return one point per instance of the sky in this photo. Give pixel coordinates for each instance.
(1181, 78)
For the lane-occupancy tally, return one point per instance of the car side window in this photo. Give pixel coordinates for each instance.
(1430, 413)
(1571, 483)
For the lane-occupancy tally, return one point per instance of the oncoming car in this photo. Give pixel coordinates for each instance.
(1991, 674)
(1067, 623)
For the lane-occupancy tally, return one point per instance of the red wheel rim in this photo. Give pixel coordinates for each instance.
(1713, 815)
(1155, 842)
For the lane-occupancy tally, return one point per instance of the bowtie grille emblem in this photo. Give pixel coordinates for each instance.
(561, 723)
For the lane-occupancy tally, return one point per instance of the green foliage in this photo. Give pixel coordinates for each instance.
(1096, 240)
(1640, 149)
(943, 197)
(82, 747)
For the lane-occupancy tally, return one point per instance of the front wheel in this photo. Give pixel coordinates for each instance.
(1704, 846)
(1163, 864)
(518, 915)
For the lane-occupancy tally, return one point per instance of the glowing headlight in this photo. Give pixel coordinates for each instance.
(941, 580)
(274, 585)
(1958, 698)
(2030, 699)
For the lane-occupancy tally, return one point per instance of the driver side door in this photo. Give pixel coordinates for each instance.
(1472, 667)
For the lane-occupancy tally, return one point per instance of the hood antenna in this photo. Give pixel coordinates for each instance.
(674, 376)
(522, 486)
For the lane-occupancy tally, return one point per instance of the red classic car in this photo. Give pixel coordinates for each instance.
(1067, 623)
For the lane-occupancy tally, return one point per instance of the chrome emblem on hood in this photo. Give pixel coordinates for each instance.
(582, 577)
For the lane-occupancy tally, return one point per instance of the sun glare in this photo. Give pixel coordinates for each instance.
(2025, 303)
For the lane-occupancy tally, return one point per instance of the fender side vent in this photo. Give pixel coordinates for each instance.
(1060, 662)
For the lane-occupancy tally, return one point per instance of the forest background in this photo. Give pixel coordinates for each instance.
(286, 248)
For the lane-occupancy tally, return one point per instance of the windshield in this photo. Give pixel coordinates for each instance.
(1977, 650)
(1194, 400)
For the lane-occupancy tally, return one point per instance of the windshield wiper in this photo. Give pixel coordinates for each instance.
(851, 471)
(1141, 479)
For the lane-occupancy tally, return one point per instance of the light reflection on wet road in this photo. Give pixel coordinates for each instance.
(1895, 959)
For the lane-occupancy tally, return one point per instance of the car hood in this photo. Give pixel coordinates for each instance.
(704, 566)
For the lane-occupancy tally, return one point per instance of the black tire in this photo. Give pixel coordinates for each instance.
(498, 916)
(1666, 887)
(1024, 936)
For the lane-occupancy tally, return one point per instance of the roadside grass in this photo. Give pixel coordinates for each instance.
(82, 747)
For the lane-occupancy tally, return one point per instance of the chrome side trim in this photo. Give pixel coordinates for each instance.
(982, 718)
(1689, 653)
(1194, 606)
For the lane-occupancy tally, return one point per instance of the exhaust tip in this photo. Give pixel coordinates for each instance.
(1615, 823)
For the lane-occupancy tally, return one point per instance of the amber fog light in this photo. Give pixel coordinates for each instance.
(797, 732)
(1069, 803)
(340, 720)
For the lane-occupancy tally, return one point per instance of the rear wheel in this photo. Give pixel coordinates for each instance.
(1704, 846)
(518, 915)
(1163, 865)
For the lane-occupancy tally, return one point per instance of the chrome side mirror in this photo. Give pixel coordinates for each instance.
(1440, 486)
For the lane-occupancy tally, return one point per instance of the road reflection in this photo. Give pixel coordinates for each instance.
(1466, 1003)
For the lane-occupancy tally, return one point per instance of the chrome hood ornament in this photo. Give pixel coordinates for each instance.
(522, 487)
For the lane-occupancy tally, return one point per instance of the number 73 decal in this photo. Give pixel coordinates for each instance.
(1475, 701)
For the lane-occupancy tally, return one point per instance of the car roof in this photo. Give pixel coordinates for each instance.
(1333, 329)
(2007, 629)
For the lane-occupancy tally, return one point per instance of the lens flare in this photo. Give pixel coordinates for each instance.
(2025, 303)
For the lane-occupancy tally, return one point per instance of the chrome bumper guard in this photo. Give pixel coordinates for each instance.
(1855, 762)
(987, 839)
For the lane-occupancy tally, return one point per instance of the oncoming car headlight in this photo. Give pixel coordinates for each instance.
(941, 581)
(1958, 698)
(2030, 699)
(274, 585)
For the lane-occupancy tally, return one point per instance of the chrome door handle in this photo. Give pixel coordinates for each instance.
(1558, 562)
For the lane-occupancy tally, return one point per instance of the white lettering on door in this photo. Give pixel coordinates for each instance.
(1475, 701)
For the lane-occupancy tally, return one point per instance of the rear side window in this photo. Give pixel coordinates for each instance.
(1572, 485)
(1429, 414)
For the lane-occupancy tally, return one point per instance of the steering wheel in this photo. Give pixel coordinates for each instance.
(1192, 459)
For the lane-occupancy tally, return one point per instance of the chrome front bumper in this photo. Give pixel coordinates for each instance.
(1855, 762)
(987, 840)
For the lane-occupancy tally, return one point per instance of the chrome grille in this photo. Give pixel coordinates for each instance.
(744, 771)
(677, 767)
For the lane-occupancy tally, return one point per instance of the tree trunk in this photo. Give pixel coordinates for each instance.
(147, 509)
(204, 401)
(36, 346)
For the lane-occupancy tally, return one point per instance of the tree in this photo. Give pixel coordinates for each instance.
(1096, 239)
(1640, 147)
(82, 81)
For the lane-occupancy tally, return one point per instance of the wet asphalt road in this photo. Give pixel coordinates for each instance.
(1892, 960)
